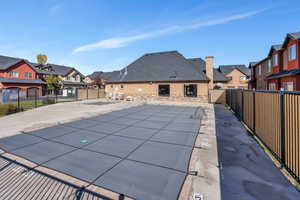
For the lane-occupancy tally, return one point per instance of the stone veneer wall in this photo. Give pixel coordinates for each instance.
(149, 91)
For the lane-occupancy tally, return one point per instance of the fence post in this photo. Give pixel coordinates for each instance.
(76, 93)
(18, 99)
(35, 98)
(254, 112)
(87, 93)
(55, 91)
(242, 117)
(282, 125)
(98, 95)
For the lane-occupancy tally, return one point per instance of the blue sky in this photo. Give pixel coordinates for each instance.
(106, 35)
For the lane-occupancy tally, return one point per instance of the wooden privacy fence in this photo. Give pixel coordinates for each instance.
(88, 93)
(274, 117)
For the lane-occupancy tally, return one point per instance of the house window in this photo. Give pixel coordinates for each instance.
(259, 70)
(275, 60)
(111, 86)
(292, 52)
(68, 78)
(28, 75)
(269, 66)
(14, 74)
(164, 90)
(288, 86)
(243, 78)
(122, 86)
(190, 90)
(272, 86)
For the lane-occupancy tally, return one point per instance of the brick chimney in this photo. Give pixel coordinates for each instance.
(209, 63)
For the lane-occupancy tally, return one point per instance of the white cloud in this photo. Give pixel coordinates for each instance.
(118, 42)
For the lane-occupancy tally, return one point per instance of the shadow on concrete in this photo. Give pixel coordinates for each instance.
(246, 172)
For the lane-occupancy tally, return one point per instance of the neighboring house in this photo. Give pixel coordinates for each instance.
(91, 79)
(69, 76)
(19, 74)
(164, 75)
(280, 70)
(233, 76)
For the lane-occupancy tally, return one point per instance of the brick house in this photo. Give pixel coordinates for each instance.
(280, 70)
(226, 76)
(16, 73)
(90, 79)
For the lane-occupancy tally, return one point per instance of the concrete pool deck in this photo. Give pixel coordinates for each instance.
(205, 183)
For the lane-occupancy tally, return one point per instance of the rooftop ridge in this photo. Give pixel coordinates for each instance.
(161, 52)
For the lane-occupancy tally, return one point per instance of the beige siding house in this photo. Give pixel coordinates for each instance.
(163, 76)
(171, 76)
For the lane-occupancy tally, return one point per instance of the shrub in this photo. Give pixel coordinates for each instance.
(8, 108)
(48, 101)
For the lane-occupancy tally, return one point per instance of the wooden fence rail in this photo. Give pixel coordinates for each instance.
(274, 117)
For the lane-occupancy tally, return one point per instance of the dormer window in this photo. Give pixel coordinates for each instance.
(292, 52)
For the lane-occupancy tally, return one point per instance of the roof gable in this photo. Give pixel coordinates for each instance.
(160, 66)
(276, 47)
(226, 69)
(291, 36)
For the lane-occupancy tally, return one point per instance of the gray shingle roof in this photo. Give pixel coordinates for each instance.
(6, 62)
(277, 47)
(103, 75)
(251, 64)
(73, 83)
(60, 69)
(160, 66)
(226, 69)
(18, 80)
(284, 73)
(295, 35)
(219, 77)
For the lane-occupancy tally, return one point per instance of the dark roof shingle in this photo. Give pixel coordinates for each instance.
(226, 69)
(18, 80)
(6, 62)
(160, 66)
(295, 35)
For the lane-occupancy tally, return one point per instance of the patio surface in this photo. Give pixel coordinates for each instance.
(246, 171)
(148, 146)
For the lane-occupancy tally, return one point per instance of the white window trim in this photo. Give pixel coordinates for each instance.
(243, 78)
(268, 66)
(259, 69)
(293, 47)
(275, 60)
(14, 74)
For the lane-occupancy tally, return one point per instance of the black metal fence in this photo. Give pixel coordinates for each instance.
(15, 99)
(274, 117)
